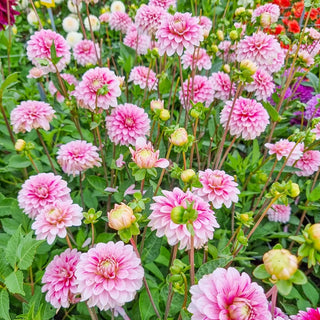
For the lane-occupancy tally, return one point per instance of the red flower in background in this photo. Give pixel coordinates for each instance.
(282, 3)
(4, 16)
(313, 14)
(298, 9)
(293, 26)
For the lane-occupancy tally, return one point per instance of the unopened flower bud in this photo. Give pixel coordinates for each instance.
(249, 11)
(214, 48)
(177, 214)
(233, 35)
(37, 4)
(220, 35)
(314, 235)
(179, 137)
(156, 104)
(280, 263)
(248, 65)
(187, 175)
(20, 145)
(121, 217)
(195, 113)
(164, 115)
(294, 190)
(239, 11)
(265, 19)
(226, 68)
(121, 81)
(14, 30)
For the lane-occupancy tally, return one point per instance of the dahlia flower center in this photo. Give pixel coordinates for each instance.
(179, 26)
(216, 182)
(66, 274)
(96, 84)
(54, 216)
(129, 122)
(240, 310)
(108, 268)
(42, 192)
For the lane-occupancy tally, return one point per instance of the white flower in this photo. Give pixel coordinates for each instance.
(70, 24)
(72, 7)
(73, 38)
(245, 3)
(32, 18)
(23, 4)
(117, 6)
(95, 23)
(58, 1)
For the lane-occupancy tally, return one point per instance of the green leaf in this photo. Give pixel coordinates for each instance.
(5, 268)
(274, 115)
(299, 277)
(315, 194)
(145, 306)
(97, 183)
(314, 80)
(12, 247)
(284, 287)
(311, 293)
(212, 265)
(14, 282)
(4, 304)
(125, 235)
(18, 161)
(26, 251)
(260, 272)
(10, 81)
(140, 174)
(127, 57)
(152, 248)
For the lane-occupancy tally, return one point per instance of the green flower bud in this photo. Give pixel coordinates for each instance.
(187, 175)
(164, 115)
(233, 35)
(220, 35)
(314, 235)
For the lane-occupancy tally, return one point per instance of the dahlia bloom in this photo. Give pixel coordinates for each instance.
(283, 147)
(109, 275)
(200, 90)
(199, 59)
(117, 6)
(165, 4)
(222, 87)
(145, 156)
(31, 115)
(35, 73)
(73, 38)
(105, 17)
(310, 314)
(119, 21)
(262, 49)
(227, 51)
(262, 85)
(91, 92)
(4, 14)
(53, 90)
(248, 119)
(279, 213)
(77, 156)
(313, 108)
(126, 123)
(178, 32)
(206, 25)
(143, 77)
(309, 163)
(39, 47)
(59, 279)
(94, 23)
(272, 9)
(40, 191)
(148, 18)
(312, 33)
(278, 313)
(54, 220)
(306, 57)
(302, 93)
(70, 24)
(316, 130)
(226, 294)
(85, 53)
(160, 219)
(218, 188)
(139, 42)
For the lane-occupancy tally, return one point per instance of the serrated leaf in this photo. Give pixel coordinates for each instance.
(26, 251)
(97, 183)
(12, 247)
(14, 282)
(212, 265)
(314, 80)
(4, 305)
(17, 161)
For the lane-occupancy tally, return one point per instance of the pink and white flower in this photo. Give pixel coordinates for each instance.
(308, 164)
(279, 213)
(310, 314)
(85, 52)
(271, 9)
(165, 4)
(139, 42)
(283, 147)
(143, 77)
(199, 59)
(222, 87)
(119, 21)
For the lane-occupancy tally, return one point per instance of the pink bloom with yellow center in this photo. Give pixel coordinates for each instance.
(143, 77)
(59, 279)
(199, 59)
(119, 21)
(226, 294)
(127, 123)
(31, 115)
(218, 188)
(145, 157)
(160, 219)
(283, 147)
(85, 52)
(54, 220)
(178, 32)
(109, 275)
(279, 213)
(223, 89)
(78, 156)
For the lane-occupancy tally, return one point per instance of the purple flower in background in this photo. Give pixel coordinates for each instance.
(313, 108)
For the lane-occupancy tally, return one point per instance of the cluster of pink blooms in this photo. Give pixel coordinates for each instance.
(85, 52)
(143, 77)
(218, 188)
(198, 59)
(126, 123)
(39, 47)
(284, 148)
(31, 115)
(145, 156)
(53, 90)
(308, 164)
(226, 294)
(136, 41)
(279, 213)
(160, 219)
(78, 156)
(222, 87)
(119, 21)
(248, 118)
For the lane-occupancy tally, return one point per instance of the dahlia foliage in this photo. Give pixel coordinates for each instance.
(160, 159)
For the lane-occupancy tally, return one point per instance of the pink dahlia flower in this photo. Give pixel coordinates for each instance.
(308, 164)
(279, 213)
(119, 21)
(41, 191)
(143, 77)
(39, 47)
(109, 275)
(165, 4)
(223, 89)
(54, 220)
(312, 33)
(148, 18)
(226, 294)
(59, 279)
(272, 9)
(200, 90)
(99, 88)
(178, 32)
(227, 51)
(85, 53)
(306, 57)
(310, 314)
(139, 42)
(53, 90)
(31, 115)
(262, 49)
(283, 148)
(316, 130)
(262, 85)
(206, 25)
(160, 219)
(145, 156)
(248, 119)
(218, 188)
(127, 123)
(35, 73)
(199, 59)
(78, 156)
(105, 17)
